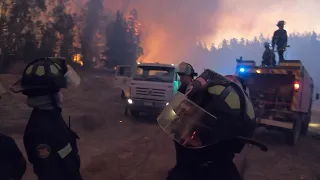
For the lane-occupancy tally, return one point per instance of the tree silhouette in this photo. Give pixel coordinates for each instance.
(122, 46)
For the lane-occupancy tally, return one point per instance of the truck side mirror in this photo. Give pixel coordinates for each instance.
(317, 96)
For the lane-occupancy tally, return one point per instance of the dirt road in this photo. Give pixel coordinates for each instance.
(113, 146)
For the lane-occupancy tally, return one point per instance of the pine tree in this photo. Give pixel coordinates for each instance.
(116, 46)
(91, 16)
(64, 24)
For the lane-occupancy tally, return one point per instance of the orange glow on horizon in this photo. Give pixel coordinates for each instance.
(172, 28)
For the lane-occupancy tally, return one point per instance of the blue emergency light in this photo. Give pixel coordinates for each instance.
(242, 69)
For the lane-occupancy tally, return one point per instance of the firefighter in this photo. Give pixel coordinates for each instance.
(50, 144)
(211, 123)
(186, 74)
(12, 162)
(280, 38)
(268, 57)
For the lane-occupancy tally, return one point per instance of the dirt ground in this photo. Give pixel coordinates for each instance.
(113, 146)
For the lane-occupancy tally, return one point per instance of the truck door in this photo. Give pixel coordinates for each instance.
(122, 78)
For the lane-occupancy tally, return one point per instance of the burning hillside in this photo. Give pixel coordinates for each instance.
(169, 29)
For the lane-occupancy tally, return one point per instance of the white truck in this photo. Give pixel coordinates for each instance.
(148, 87)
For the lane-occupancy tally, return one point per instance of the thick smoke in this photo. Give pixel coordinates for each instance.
(172, 27)
(249, 18)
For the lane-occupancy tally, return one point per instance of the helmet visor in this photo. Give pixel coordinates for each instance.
(187, 123)
(73, 79)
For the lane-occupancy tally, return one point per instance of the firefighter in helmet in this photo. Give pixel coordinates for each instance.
(280, 38)
(50, 144)
(211, 122)
(268, 57)
(186, 73)
(12, 162)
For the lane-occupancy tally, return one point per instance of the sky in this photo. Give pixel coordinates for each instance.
(172, 27)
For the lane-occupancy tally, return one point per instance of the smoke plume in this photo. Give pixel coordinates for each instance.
(172, 27)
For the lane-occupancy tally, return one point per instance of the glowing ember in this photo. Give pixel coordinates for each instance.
(77, 59)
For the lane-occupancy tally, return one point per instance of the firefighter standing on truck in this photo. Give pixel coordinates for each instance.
(50, 144)
(12, 162)
(268, 57)
(280, 38)
(209, 123)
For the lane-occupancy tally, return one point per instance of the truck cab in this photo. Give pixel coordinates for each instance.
(150, 88)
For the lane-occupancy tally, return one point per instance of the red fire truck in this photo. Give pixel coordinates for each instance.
(282, 96)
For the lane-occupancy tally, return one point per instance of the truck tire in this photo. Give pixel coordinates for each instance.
(134, 113)
(292, 136)
(305, 125)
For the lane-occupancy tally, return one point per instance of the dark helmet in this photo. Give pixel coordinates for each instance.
(267, 45)
(186, 69)
(45, 76)
(281, 23)
(213, 110)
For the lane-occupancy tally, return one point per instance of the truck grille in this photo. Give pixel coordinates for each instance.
(151, 92)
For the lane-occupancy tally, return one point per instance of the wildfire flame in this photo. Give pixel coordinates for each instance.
(77, 59)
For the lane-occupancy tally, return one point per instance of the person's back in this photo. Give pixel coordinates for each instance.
(12, 162)
(280, 38)
(45, 134)
(212, 162)
(50, 145)
(198, 154)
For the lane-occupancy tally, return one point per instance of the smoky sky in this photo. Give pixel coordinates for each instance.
(172, 27)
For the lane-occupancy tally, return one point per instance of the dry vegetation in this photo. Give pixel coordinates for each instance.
(116, 147)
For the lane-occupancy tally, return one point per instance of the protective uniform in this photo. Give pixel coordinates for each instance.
(50, 144)
(210, 123)
(12, 162)
(280, 38)
(268, 57)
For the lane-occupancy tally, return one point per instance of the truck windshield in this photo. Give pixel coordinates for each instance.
(154, 73)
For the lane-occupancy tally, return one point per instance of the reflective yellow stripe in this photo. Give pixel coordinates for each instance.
(29, 70)
(289, 64)
(217, 90)
(40, 71)
(65, 151)
(233, 100)
(250, 109)
(279, 71)
(294, 102)
(54, 69)
(296, 74)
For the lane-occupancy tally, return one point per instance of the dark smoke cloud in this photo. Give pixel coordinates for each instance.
(172, 27)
